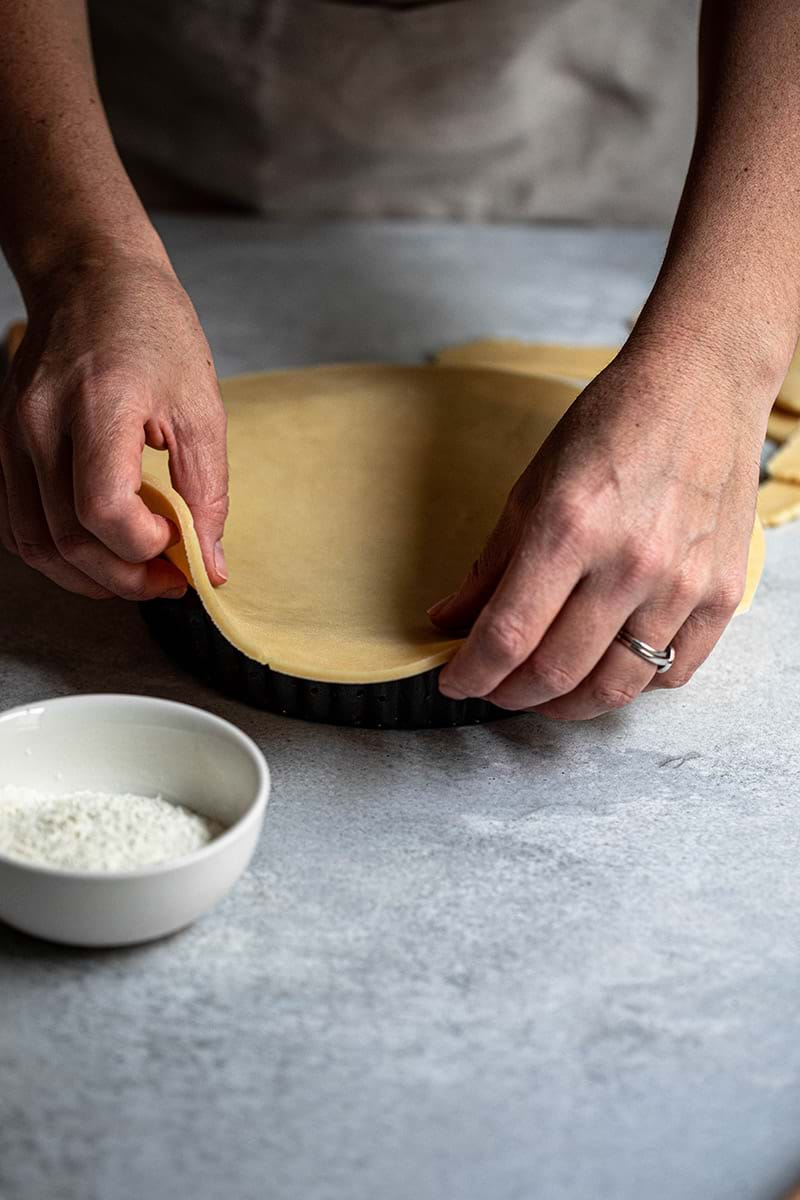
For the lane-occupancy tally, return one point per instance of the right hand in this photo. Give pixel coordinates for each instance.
(113, 358)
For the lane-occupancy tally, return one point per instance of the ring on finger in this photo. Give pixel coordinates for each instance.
(662, 660)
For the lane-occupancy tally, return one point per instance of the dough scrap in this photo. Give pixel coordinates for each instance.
(359, 496)
(778, 502)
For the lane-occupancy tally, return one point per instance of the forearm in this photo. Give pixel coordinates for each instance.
(730, 284)
(65, 194)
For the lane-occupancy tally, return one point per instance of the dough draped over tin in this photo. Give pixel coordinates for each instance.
(359, 496)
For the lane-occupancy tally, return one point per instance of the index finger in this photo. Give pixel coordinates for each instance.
(528, 598)
(107, 476)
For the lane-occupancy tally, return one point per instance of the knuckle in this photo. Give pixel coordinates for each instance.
(110, 383)
(109, 521)
(214, 507)
(203, 428)
(32, 422)
(92, 590)
(571, 518)
(727, 598)
(505, 637)
(36, 554)
(642, 563)
(553, 678)
(684, 590)
(71, 544)
(97, 512)
(29, 405)
(135, 592)
(615, 695)
(137, 551)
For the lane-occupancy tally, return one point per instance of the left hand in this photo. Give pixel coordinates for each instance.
(637, 511)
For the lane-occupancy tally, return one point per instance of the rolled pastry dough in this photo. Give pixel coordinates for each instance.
(359, 496)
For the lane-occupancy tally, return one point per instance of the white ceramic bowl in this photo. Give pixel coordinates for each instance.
(141, 745)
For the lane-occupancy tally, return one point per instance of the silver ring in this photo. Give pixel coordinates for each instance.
(662, 660)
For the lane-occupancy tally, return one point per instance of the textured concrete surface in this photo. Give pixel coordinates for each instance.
(521, 962)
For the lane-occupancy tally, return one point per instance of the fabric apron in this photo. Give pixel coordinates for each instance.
(472, 109)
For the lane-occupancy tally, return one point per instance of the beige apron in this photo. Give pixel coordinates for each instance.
(476, 109)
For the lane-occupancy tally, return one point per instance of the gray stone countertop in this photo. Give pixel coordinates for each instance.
(528, 961)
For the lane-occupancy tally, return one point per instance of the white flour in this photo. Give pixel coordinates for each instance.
(92, 831)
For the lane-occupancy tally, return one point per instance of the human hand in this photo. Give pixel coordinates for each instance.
(113, 358)
(636, 512)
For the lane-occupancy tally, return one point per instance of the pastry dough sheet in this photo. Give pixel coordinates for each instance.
(359, 496)
(583, 362)
(532, 358)
(576, 362)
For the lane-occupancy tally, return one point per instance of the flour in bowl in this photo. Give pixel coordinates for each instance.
(94, 831)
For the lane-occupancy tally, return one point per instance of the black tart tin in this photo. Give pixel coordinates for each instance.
(189, 636)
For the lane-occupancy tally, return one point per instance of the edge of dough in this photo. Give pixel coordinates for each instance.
(186, 555)
(755, 567)
(546, 360)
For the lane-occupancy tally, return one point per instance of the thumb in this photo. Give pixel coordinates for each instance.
(461, 608)
(198, 466)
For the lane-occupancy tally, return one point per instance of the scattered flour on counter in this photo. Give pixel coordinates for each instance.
(93, 831)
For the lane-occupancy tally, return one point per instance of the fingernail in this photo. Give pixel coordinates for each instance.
(440, 605)
(219, 561)
(176, 593)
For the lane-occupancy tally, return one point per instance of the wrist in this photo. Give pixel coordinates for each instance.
(76, 253)
(744, 359)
